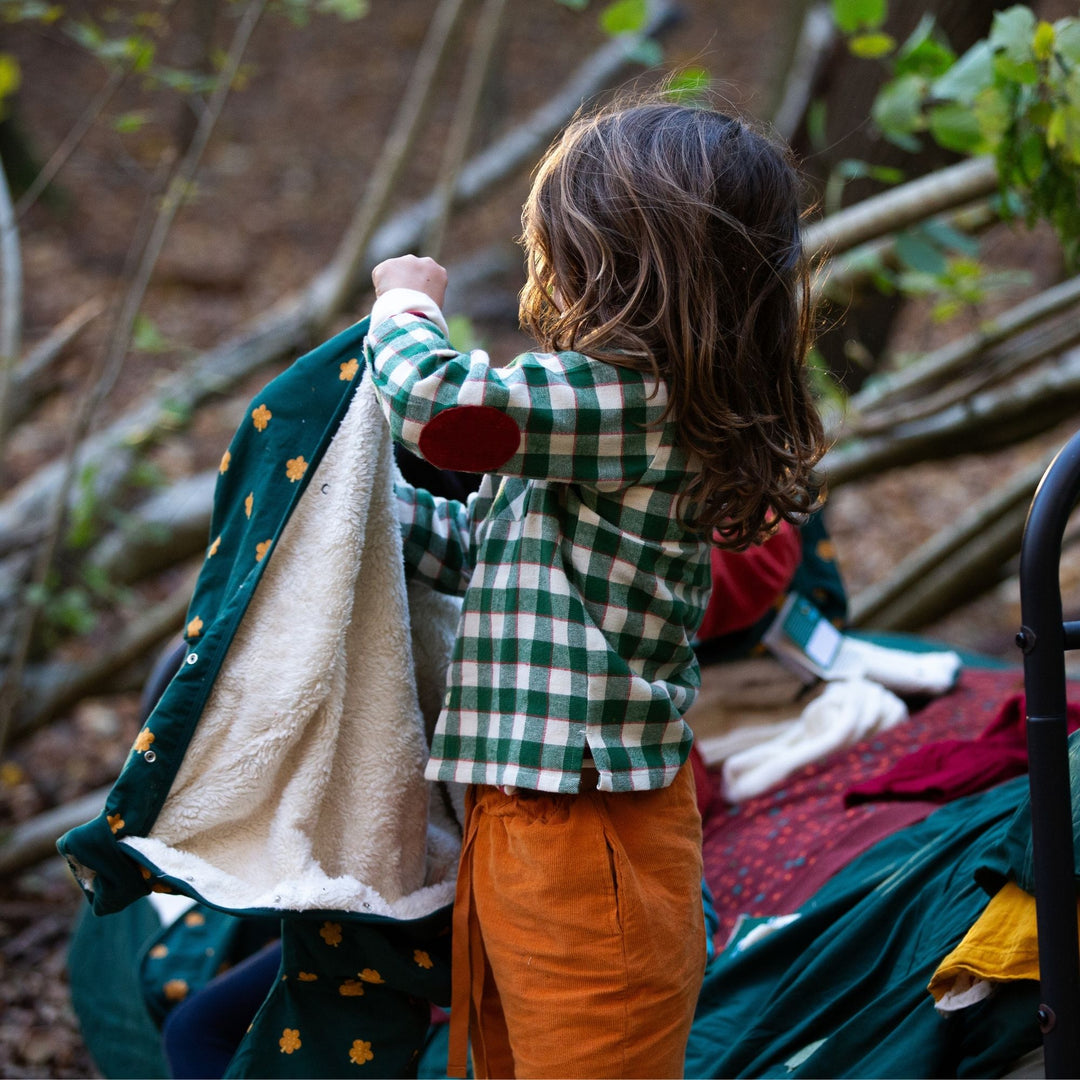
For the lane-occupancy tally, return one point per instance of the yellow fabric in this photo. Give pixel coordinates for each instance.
(1002, 946)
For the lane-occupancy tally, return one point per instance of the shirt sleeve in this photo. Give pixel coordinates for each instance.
(546, 416)
(439, 536)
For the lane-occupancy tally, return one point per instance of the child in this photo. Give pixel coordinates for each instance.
(667, 290)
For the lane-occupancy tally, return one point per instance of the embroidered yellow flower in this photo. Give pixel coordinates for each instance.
(194, 628)
(261, 417)
(116, 822)
(351, 988)
(826, 550)
(295, 468)
(349, 369)
(331, 933)
(361, 1052)
(159, 952)
(143, 741)
(420, 957)
(214, 548)
(307, 976)
(145, 871)
(370, 975)
(194, 918)
(262, 549)
(249, 502)
(289, 1041)
(175, 990)
(225, 459)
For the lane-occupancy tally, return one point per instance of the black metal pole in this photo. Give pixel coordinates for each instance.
(1043, 639)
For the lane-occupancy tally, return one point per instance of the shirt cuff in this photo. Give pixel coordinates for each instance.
(399, 301)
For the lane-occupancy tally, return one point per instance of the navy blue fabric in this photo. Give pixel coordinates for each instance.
(202, 1033)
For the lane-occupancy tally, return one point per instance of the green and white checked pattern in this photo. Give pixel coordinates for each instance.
(581, 591)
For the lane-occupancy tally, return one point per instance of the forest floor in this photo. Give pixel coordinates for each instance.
(280, 179)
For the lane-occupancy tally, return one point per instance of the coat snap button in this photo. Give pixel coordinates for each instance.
(150, 757)
(192, 658)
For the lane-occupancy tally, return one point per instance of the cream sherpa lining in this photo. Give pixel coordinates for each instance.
(302, 787)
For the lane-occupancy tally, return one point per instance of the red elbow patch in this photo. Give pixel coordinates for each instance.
(470, 438)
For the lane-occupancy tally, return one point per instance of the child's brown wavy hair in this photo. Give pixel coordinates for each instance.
(665, 237)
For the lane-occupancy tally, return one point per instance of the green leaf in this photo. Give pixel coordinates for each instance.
(852, 16)
(923, 53)
(1012, 31)
(950, 239)
(871, 46)
(10, 77)
(991, 110)
(1067, 39)
(624, 17)
(915, 251)
(968, 77)
(688, 84)
(1042, 42)
(1031, 157)
(897, 109)
(462, 333)
(128, 122)
(956, 128)
(146, 337)
(346, 10)
(1025, 72)
(816, 116)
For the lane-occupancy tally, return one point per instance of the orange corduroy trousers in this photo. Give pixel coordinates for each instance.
(579, 938)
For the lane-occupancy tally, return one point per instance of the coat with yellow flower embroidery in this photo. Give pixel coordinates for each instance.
(282, 770)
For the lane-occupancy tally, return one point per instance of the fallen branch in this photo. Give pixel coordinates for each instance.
(941, 364)
(892, 600)
(813, 46)
(966, 574)
(104, 374)
(291, 323)
(419, 93)
(838, 279)
(914, 201)
(169, 527)
(51, 688)
(34, 841)
(477, 66)
(27, 387)
(995, 366)
(985, 421)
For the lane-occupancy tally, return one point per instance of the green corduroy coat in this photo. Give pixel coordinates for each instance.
(281, 773)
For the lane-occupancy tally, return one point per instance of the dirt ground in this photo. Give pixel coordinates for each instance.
(280, 179)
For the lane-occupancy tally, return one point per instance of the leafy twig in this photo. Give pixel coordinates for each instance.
(914, 201)
(106, 372)
(419, 94)
(71, 141)
(477, 65)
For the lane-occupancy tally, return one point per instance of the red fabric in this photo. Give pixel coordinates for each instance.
(746, 584)
(470, 438)
(952, 768)
(769, 855)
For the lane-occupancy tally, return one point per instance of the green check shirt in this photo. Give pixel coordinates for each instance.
(581, 590)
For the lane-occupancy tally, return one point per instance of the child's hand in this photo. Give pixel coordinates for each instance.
(409, 272)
